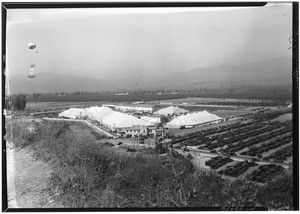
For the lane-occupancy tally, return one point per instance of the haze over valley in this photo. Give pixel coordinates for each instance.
(268, 72)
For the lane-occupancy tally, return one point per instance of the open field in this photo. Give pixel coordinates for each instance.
(33, 106)
(205, 100)
(232, 113)
(284, 117)
(206, 107)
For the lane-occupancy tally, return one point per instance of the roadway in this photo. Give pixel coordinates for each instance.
(45, 112)
(97, 128)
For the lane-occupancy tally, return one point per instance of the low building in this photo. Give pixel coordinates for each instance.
(133, 131)
(135, 108)
(110, 106)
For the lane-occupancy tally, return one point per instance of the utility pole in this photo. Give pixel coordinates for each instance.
(163, 136)
(138, 138)
(155, 137)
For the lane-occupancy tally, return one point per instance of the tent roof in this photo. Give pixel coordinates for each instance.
(75, 112)
(100, 112)
(106, 116)
(121, 120)
(193, 119)
(171, 110)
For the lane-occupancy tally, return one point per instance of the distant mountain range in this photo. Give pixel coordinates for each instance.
(52, 82)
(267, 72)
(275, 71)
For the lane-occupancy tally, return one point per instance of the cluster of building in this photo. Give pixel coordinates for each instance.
(123, 124)
(122, 119)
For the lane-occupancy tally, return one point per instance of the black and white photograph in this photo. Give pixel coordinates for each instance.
(150, 106)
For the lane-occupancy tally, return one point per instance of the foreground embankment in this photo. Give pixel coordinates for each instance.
(85, 173)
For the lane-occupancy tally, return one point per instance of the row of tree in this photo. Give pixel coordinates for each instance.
(138, 96)
(15, 102)
(246, 92)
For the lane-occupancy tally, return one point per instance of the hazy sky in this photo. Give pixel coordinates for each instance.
(104, 42)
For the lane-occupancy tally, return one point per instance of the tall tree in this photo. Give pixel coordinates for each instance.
(18, 102)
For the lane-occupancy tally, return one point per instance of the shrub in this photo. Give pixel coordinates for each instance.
(16, 102)
(189, 156)
(160, 149)
(278, 193)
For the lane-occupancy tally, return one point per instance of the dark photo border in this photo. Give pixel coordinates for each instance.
(37, 5)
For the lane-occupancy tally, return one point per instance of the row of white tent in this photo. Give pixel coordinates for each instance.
(115, 119)
(105, 116)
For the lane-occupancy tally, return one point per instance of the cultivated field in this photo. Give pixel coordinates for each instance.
(252, 143)
(37, 106)
(205, 100)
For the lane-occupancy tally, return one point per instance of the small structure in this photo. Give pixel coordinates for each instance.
(153, 120)
(135, 131)
(134, 108)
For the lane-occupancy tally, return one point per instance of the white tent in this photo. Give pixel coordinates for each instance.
(100, 112)
(121, 120)
(171, 110)
(193, 119)
(75, 113)
(106, 116)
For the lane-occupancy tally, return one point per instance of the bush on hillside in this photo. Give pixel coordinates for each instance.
(16, 102)
(160, 149)
(278, 193)
(189, 156)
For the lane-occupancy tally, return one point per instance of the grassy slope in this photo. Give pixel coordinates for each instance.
(88, 174)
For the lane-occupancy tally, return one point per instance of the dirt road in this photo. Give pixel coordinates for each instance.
(27, 180)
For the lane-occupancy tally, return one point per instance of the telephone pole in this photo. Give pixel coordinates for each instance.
(138, 138)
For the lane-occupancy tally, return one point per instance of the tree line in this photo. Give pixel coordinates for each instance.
(15, 102)
(152, 95)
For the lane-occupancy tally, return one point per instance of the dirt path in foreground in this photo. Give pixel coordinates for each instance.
(27, 180)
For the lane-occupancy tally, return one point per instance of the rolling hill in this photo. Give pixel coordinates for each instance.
(268, 72)
(52, 82)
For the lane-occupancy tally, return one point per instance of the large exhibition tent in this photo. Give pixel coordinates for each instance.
(121, 120)
(193, 119)
(100, 112)
(75, 113)
(171, 110)
(106, 116)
